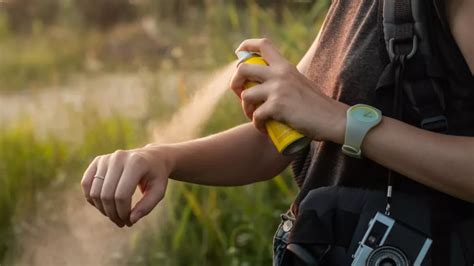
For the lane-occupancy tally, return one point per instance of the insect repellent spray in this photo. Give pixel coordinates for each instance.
(287, 140)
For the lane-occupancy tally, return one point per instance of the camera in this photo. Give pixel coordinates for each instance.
(391, 243)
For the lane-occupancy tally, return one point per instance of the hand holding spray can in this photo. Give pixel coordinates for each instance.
(287, 140)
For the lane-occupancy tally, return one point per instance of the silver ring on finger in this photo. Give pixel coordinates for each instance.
(99, 177)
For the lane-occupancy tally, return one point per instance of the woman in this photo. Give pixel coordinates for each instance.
(341, 69)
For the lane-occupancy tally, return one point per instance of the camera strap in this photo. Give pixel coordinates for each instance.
(408, 46)
(401, 46)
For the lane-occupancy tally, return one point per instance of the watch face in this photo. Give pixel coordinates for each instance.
(364, 114)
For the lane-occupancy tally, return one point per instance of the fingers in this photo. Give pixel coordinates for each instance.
(265, 48)
(248, 73)
(111, 180)
(265, 112)
(152, 194)
(253, 97)
(107, 195)
(248, 108)
(98, 181)
(134, 171)
(88, 178)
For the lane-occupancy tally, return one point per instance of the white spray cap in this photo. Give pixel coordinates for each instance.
(244, 55)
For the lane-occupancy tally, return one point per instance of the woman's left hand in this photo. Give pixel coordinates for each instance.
(286, 95)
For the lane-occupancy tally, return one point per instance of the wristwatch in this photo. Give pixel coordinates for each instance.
(360, 119)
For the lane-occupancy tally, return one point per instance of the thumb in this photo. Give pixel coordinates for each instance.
(151, 196)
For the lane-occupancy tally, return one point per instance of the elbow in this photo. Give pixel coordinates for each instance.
(464, 190)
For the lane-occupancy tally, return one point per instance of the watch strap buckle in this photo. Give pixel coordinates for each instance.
(352, 151)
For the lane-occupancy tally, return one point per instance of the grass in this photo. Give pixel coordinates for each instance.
(29, 165)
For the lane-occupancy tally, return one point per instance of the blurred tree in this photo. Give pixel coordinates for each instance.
(23, 13)
(105, 13)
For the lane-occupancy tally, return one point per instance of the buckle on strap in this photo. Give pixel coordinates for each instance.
(393, 42)
(304, 256)
(436, 123)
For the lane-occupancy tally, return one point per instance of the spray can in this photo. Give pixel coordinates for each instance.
(287, 140)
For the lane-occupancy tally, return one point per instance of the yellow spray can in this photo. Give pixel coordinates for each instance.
(287, 140)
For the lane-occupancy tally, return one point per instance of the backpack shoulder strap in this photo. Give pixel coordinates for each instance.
(413, 72)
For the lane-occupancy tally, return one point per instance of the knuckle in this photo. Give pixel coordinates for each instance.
(283, 70)
(275, 104)
(281, 95)
(119, 153)
(276, 87)
(257, 115)
(265, 41)
(85, 184)
(104, 159)
(106, 198)
(121, 198)
(275, 108)
(137, 158)
(96, 159)
(242, 43)
(95, 195)
(245, 42)
(245, 96)
(241, 69)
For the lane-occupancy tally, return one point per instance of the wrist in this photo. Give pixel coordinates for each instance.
(162, 155)
(339, 124)
(361, 119)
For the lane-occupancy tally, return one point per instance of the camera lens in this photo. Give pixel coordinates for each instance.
(388, 262)
(387, 256)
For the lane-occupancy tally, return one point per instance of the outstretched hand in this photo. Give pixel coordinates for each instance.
(286, 95)
(110, 181)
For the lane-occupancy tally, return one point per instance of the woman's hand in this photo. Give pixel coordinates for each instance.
(110, 181)
(286, 95)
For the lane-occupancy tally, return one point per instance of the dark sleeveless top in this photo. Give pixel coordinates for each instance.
(348, 61)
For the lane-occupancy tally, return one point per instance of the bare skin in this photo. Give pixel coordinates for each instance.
(459, 15)
(244, 155)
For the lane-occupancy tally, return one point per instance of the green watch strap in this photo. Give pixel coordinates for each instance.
(360, 119)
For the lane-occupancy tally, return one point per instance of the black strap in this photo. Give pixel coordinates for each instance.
(398, 27)
(412, 73)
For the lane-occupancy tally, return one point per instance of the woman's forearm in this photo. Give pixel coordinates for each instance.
(238, 156)
(443, 162)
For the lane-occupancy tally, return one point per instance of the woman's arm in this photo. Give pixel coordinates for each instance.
(460, 18)
(445, 163)
(237, 156)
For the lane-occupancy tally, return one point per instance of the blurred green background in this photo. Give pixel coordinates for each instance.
(79, 78)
